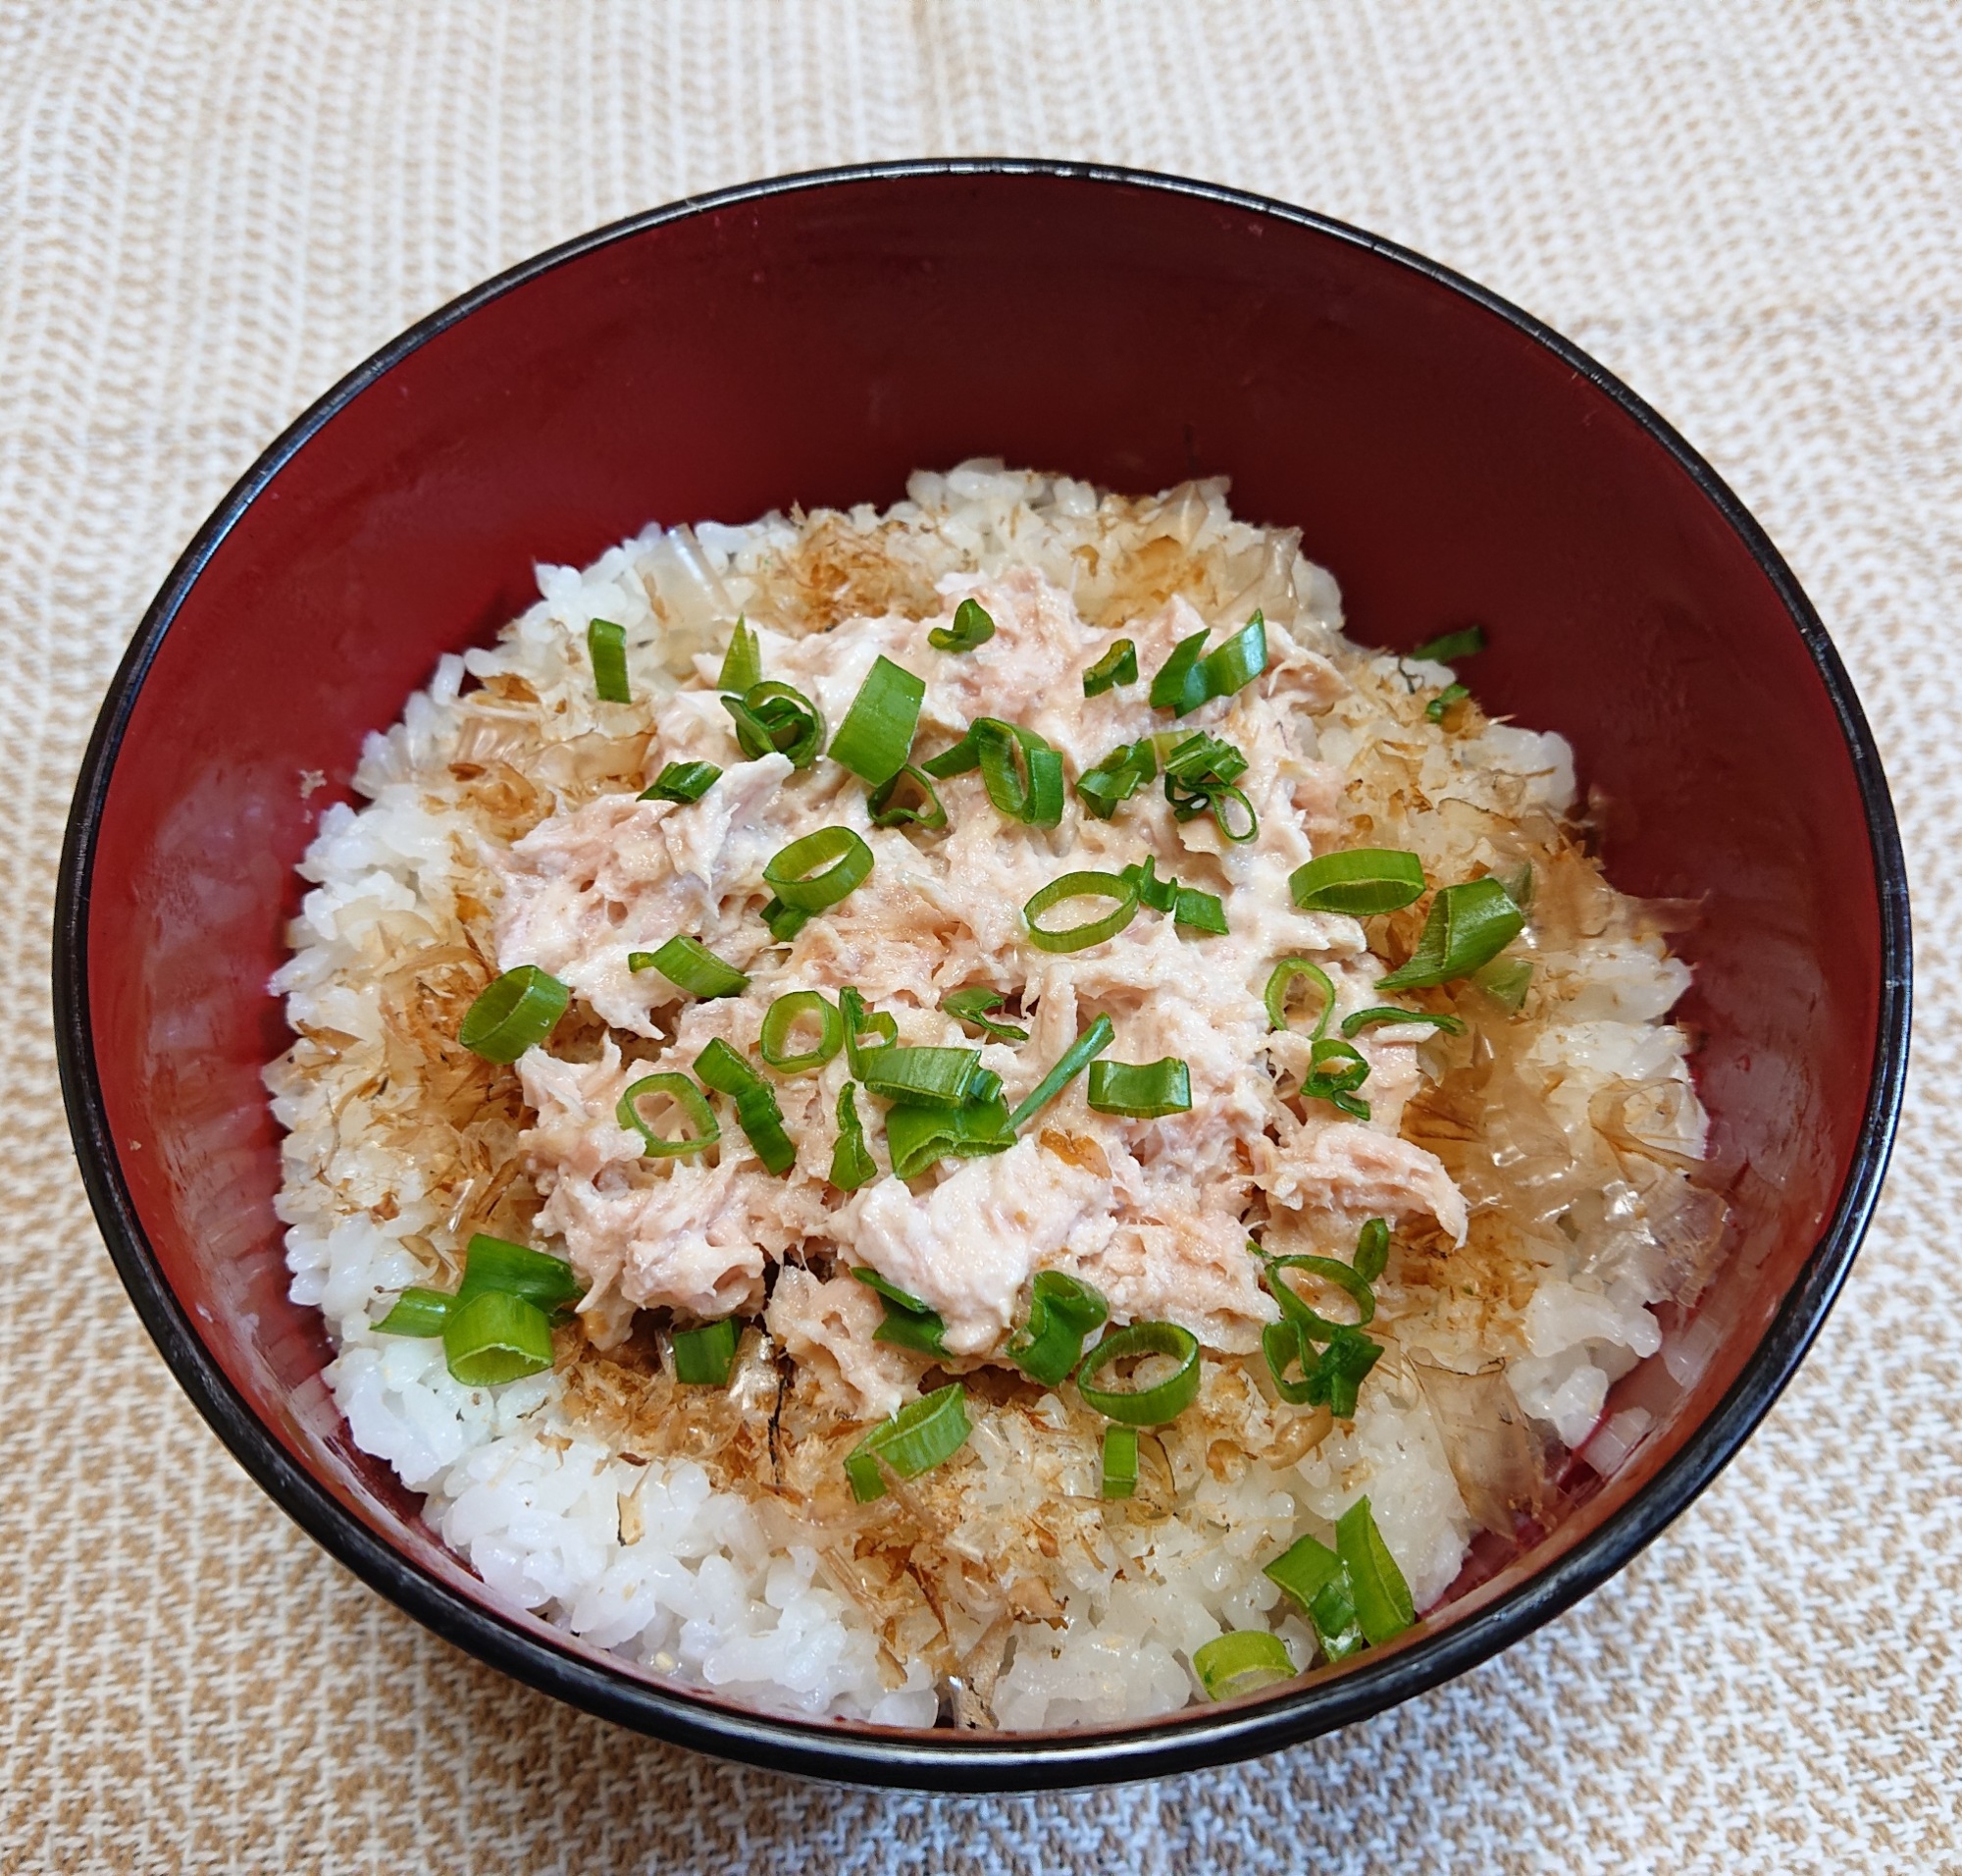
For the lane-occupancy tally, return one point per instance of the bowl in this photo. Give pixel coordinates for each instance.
(810, 340)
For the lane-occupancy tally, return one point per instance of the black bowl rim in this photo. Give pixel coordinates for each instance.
(968, 1761)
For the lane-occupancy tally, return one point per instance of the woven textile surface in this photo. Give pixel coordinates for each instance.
(210, 209)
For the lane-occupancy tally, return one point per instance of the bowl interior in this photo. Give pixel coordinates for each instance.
(813, 345)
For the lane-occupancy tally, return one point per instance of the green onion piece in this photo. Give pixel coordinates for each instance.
(1331, 1270)
(887, 810)
(1186, 680)
(1469, 926)
(1161, 1400)
(1281, 981)
(780, 1023)
(970, 1006)
(1452, 647)
(417, 1312)
(1241, 1661)
(917, 1137)
(497, 1337)
(1117, 777)
(817, 870)
(1153, 894)
(720, 1068)
(689, 1105)
(1072, 1061)
(1118, 665)
(1199, 776)
(772, 718)
(920, 1077)
(908, 1322)
(783, 922)
(1506, 981)
(1120, 1457)
(1176, 685)
(1443, 700)
(1285, 1345)
(919, 1437)
(1383, 1604)
(1305, 1569)
(1340, 1373)
(1082, 886)
(1334, 1617)
(638, 961)
(513, 1013)
(877, 734)
(1141, 1090)
(852, 1161)
(1388, 1013)
(1200, 912)
(962, 759)
(742, 663)
(703, 1356)
(682, 782)
(688, 962)
(495, 1264)
(1372, 1249)
(982, 1086)
(1521, 888)
(862, 1022)
(606, 647)
(1031, 791)
(1335, 1067)
(1360, 881)
(1062, 1311)
(971, 627)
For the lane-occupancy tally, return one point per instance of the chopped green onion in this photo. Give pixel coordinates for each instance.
(691, 965)
(417, 1312)
(513, 1013)
(682, 782)
(1118, 665)
(1316, 1578)
(1141, 1090)
(862, 1022)
(920, 1077)
(606, 647)
(772, 718)
(688, 1103)
(1469, 926)
(917, 1137)
(1340, 1373)
(908, 1323)
(888, 811)
(1031, 791)
(1505, 981)
(919, 1437)
(1083, 885)
(703, 1356)
(742, 663)
(783, 922)
(1062, 1311)
(1199, 776)
(1520, 888)
(1186, 680)
(1199, 912)
(1117, 777)
(1281, 981)
(970, 1006)
(720, 1068)
(497, 1337)
(971, 627)
(1331, 1270)
(1360, 881)
(780, 1023)
(1120, 1461)
(1453, 645)
(852, 1161)
(1451, 693)
(1161, 1400)
(1384, 1604)
(1334, 1068)
(1330, 1380)
(1388, 1013)
(495, 1264)
(1241, 1661)
(877, 734)
(818, 869)
(1372, 1249)
(1072, 1061)
(1285, 1345)
(1153, 894)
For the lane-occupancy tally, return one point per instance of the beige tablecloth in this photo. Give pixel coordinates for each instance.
(209, 211)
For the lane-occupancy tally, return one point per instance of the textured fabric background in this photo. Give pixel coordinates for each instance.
(209, 211)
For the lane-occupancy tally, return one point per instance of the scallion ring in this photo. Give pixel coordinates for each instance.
(1434, 710)
(513, 1013)
(922, 1077)
(780, 1023)
(417, 1312)
(1116, 777)
(1022, 773)
(606, 647)
(1281, 982)
(1118, 665)
(1336, 1066)
(1158, 1401)
(1241, 1661)
(742, 662)
(497, 1337)
(689, 1105)
(971, 627)
(1468, 927)
(971, 1006)
(1120, 1461)
(1505, 981)
(922, 1435)
(705, 1355)
(720, 1068)
(877, 734)
(859, 1022)
(1081, 885)
(1073, 1060)
(816, 871)
(1062, 1311)
(1140, 1090)
(690, 964)
(908, 1322)
(1196, 910)
(852, 1161)
(495, 1262)
(1466, 642)
(918, 1137)
(1353, 1025)
(682, 782)
(1372, 1249)
(1384, 1604)
(774, 718)
(888, 807)
(1360, 881)
(1331, 1270)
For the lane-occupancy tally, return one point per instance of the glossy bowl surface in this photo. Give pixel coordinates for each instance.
(811, 340)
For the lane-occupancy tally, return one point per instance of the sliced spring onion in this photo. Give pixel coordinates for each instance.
(1372, 1249)
(1506, 981)
(1383, 1605)
(703, 1356)
(682, 782)
(742, 663)
(691, 965)
(888, 807)
(1141, 1090)
(1339, 1373)
(1029, 789)
(1161, 1400)
(1281, 981)
(1153, 894)
(783, 922)
(860, 1021)
(1451, 693)
(1286, 1345)
(922, 1435)
(1117, 777)
(1520, 888)
(773, 718)
(496, 1337)
(1199, 776)
(688, 1106)
(606, 647)
(971, 1006)
(1199, 912)
(1451, 647)
(1469, 926)
(1330, 1379)
(1118, 665)
(417, 1312)
(908, 1323)
(1335, 1067)
(496, 1264)
(1186, 680)
(513, 1013)
(1241, 1661)
(1331, 1270)
(818, 869)
(1360, 881)
(917, 1137)
(720, 1068)
(1083, 885)
(780, 1023)
(1120, 1461)
(852, 1161)
(877, 734)
(1389, 1013)
(922, 1077)
(971, 627)
(1062, 1311)
(1072, 1061)
(1305, 1569)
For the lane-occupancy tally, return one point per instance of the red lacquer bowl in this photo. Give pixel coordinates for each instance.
(811, 340)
